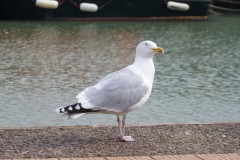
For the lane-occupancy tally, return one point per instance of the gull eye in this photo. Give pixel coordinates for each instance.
(146, 44)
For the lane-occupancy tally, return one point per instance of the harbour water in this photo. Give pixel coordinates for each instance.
(44, 65)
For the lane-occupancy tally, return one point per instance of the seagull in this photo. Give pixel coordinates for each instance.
(119, 92)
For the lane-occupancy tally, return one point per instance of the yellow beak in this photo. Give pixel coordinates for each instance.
(158, 50)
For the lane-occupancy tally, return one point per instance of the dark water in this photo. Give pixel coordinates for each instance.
(44, 65)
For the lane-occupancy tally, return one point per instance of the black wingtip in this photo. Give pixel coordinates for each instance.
(75, 108)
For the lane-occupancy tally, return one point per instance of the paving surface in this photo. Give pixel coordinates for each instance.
(159, 141)
(165, 157)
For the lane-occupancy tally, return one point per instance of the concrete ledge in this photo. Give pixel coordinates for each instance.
(87, 141)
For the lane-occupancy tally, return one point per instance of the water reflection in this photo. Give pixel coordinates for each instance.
(45, 64)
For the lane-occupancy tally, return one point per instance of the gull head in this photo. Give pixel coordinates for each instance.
(147, 49)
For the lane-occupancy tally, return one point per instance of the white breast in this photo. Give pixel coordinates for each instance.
(146, 70)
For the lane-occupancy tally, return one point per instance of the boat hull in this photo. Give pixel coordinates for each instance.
(107, 10)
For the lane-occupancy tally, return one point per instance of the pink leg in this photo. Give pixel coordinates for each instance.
(121, 126)
(126, 138)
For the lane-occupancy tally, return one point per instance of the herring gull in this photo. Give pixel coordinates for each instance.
(119, 92)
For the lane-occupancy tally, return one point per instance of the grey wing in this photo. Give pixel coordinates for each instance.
(116, 92)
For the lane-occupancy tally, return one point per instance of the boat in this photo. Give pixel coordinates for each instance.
(225, 6)
(89, 10)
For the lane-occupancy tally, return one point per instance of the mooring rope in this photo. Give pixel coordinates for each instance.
(225, 9)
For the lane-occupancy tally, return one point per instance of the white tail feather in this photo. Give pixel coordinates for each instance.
(75, 115)
(58, 110)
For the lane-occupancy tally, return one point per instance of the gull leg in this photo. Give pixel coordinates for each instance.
(119, 127)
(123, 125)
(125, 138)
